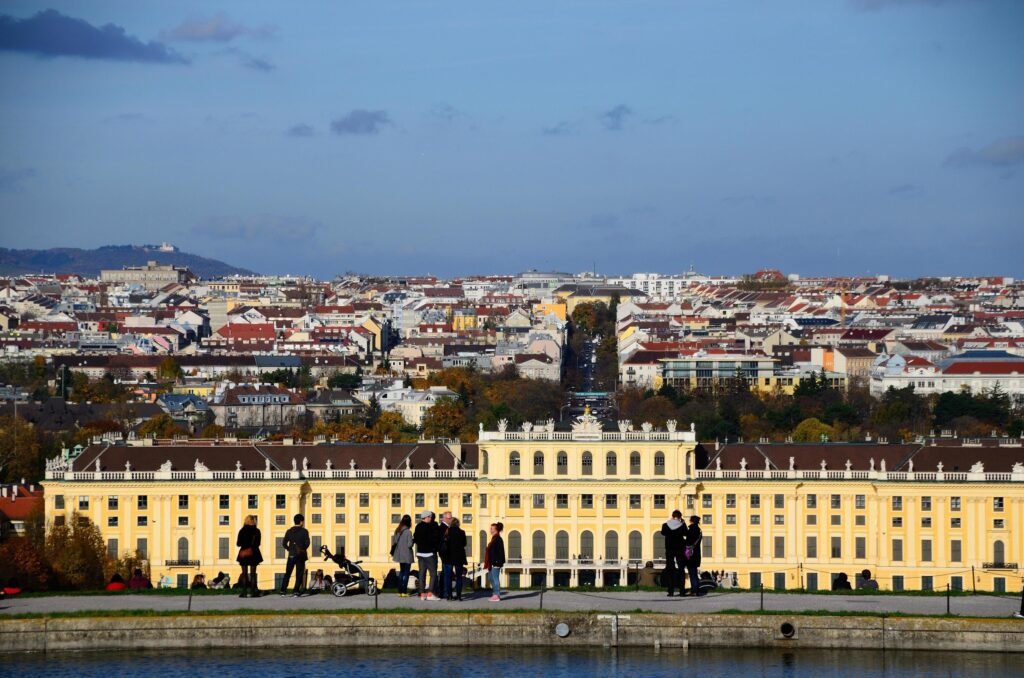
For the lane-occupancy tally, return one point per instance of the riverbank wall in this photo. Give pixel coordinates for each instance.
(537, 629)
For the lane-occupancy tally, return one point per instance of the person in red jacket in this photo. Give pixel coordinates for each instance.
(116, 583)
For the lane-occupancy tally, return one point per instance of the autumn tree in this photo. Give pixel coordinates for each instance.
(812, 431)
(169, 370)
(444, 419)
(160, 426)
(20, 450)
(77, 554)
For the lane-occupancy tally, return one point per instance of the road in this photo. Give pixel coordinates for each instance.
(569, 601)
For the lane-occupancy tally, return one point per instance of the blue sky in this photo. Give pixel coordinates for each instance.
(833, 136)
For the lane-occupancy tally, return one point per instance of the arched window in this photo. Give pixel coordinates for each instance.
(659, 463)
(562, 463)
(485, 464)
(634, 463)
(636, 545)
(611, 545)
(659, 546)
(611, 464)
(515, 546)
(562, 545)
(587, 464)
(538, 463)
(539, 546)
(587, 544)
(483, 544)
(183, 548)
(998, 552)
(513, 464)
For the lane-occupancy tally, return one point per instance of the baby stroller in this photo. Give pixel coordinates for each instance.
(350, 577)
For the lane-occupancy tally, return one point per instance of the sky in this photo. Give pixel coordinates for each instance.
(828, 137)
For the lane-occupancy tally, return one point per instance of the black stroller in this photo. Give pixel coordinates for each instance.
(350, 577)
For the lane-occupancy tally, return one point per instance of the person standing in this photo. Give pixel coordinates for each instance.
(494, 560)
(401, 553)
(295, 543)
(444, 591)
(674, 532)
(249, 556)
(692, 554)
(424, 538)
(456, 557)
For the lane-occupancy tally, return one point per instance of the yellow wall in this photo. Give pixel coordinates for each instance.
(544, 309)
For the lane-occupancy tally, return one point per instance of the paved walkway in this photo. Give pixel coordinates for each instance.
(980, 606)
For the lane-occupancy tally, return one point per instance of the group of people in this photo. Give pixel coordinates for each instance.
(430, 543)
(866, 583)
(682, 554)
(137, 582)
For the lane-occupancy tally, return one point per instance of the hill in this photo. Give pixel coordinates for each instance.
(89, 262)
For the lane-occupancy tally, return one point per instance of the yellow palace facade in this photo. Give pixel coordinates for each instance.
(580, 507)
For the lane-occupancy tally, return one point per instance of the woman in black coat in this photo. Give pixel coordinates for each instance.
(456, 554)
(693, 540)
(249, 556)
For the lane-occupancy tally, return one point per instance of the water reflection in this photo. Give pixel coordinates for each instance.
(455, 661)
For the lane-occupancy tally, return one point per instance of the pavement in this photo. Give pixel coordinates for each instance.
(568, 601)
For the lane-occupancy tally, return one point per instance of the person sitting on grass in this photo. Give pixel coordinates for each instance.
(116, 583)
(866, 582)
(221, 581)
(12, 588)
(198, 582)
(139, 580)
(841, 582)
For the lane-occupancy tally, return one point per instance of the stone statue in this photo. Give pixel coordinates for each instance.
(431, 464)
(871, 464)
(792, 463)
(165, 467)
(266, 465)
(881, 466)
(408, 463)
(502, 425)
(718, 463)
(849, 464)
(329, 465)
(670, 425)
(939, 467)
(693, 427)
(383, 463)
(823, 465)
(128, 467)
(295, 464)
(352, 464)
(767, 464)
(623, 425)
(200, 467)
(1018, 468)
(910, 466)
(97, 464)
(527, 427)
(647, 427)
(305, 463)
(743, 464)
(238, 466)
(978, 467)
(549, 426)
(481, 427)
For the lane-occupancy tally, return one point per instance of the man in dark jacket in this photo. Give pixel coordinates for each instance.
(424, 540)
(674, 531)
(693, 540)
(295, 543)
(444, 588)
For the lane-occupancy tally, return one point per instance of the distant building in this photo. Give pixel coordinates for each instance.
(152, 276)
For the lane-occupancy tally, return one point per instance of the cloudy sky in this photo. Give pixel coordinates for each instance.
(833, 136)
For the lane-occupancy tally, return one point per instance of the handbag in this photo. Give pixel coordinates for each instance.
(688, 552)
(247, 552)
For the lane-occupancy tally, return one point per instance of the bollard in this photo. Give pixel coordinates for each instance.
(974, 582)
(189, 598)
(1021, 613)
(762, 596)
(543, 587)
(947, 598)
(376, 599)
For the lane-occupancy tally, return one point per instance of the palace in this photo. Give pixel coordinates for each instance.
(580, 507)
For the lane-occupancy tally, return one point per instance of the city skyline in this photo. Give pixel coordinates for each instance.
(851, 138)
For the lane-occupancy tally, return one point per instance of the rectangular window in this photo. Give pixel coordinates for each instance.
(182, 501)
(182, 521)
(317, 518)
(706, 518)
(142, 521)
(659, 501)
(111, 503)
(755, 546)
(837, 547)
(634, 501)
(420, 500)
(999, 584)
(780, 581)
(706, 550)
(780, 501)
(730, 501)
(225, 502)
(280, 502)
(755, 519)
(279, 520)
(926, 550)
(999, 524)
(317, 500)
(396, 500)
(222, 521)
(483, 501)
(812, 547)
(611, 501)
(364, 546)
(755, 580)
(730, 546)
(339, 518)
(562, 501)
(926, 521)
(812, 501)
(955, 551)
(339, 543)
(112, 521)
(997, 503)
(279, 547)
(364, 500)
(812, 581)
(927, 583)
(538, 501)
(339, 501)
(364, 518)
(142, 547)
(705, 501)
(513, 501)
(780, 547)
(836, 519)
(897, 503)
(755, 501)
(395, 517)
(780, 519)
(253, 502)
(224, 548)
(897, 521)
(812, 519)
(897, 582)
(954, 503)
(58, 502)
(587, 501)
(926, 503)
(837, 501)
(730, 519)
(112, 549)
(860, 547)
(442, 499)
(467, 500)
(897, 550)
(315, 544)
(860, 521)
(860, 501)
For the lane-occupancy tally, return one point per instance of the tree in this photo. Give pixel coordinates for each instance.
(812, 431)
(391, 425)
(77, 554)
(345, 381)
(444, 419)
(20, 452)
(160, 426)
(21, 561)
(169, 369)
(373, 411)
(212, 431)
